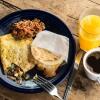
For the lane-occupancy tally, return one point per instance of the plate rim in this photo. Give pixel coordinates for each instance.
(58, 81)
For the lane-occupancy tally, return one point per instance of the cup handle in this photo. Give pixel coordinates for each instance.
(98, 80)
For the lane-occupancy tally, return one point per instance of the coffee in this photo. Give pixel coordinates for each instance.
(93, 61)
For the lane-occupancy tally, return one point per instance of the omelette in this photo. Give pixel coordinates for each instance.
(17, 52)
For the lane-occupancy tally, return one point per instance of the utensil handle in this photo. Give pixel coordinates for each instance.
(8, 4)
(70, 82)
(58, 96)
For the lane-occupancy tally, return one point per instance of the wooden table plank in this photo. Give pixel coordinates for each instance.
(72, 8)
(83, 88)
(95, 1)
(4, 11)
(68, 11)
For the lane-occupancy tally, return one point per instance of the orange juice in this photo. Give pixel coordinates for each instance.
(89, 33)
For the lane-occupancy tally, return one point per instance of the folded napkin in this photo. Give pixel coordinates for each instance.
(57, 44)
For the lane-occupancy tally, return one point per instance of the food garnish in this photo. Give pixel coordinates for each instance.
(15, 73)
(35, 77)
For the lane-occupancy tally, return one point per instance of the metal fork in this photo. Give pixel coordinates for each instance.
(47, 86)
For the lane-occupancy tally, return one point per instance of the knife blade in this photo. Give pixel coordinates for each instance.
(73, 74)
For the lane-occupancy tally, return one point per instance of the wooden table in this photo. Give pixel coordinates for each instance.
(69, 11)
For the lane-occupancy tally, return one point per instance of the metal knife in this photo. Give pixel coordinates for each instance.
(73, 74)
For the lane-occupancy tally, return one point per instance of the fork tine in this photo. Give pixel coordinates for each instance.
(47, 86)
(49, 83)
(45, 83)
(42, 78)
(41, 84)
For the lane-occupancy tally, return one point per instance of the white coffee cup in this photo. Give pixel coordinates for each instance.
(90, 74)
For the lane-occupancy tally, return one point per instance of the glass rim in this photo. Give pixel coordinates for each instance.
(86, 12)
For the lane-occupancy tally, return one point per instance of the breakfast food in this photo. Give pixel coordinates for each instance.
(17, 52)
(49, 51)
(27, 28)
(46, 61)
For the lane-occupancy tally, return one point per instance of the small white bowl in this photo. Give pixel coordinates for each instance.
(91, 75)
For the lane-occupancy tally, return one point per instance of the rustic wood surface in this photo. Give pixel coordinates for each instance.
(69, 11)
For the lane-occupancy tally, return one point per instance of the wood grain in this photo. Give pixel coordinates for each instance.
(12, 95)
(71, 8)
(69, 11)
(4, 11)
(95, 1)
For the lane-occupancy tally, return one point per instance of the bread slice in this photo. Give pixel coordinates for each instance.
(17, 52)
(46, 61)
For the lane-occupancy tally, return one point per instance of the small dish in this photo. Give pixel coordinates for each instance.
(90, 74)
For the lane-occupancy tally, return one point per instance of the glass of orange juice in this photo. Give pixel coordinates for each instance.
(89, 29)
